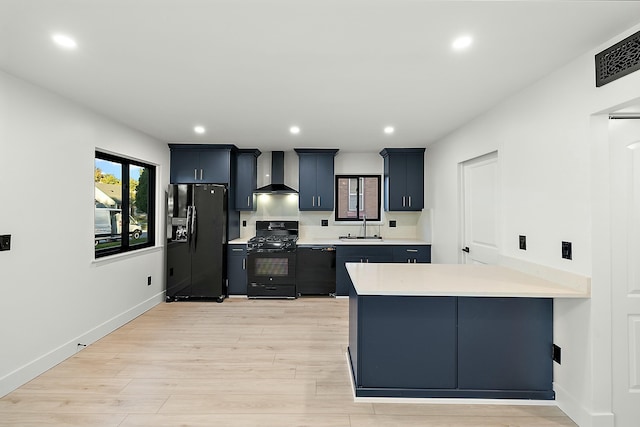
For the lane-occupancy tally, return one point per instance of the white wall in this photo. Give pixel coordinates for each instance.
(286, 207)
(550, 149)
(54, 295)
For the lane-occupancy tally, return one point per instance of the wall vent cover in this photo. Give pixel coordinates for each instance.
(619, 60)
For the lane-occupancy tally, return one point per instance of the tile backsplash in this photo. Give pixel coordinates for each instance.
(285, 207)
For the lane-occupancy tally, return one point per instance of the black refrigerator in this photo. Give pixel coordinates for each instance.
(196, 239)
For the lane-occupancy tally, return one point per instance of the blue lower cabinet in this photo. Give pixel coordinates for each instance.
(505, 343)
(375, 253)
(431, 360)
(445, 346)
(237, 269)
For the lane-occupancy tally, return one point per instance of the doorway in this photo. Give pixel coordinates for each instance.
(479, 210)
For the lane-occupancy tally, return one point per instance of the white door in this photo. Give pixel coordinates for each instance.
(624, 138)
(479, 210)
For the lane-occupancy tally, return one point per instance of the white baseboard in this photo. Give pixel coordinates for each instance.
(32, 369)
(578, 413)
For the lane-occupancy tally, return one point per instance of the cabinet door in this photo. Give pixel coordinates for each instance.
(246, 176)
(307, 185)
(324, 182)
(237, 270)
(184, 167)
(396, 182)
(407, 342)
(414, 182)
(214, 166)
(505, 343)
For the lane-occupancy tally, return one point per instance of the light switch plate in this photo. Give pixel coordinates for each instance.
(566, 250)
(5, 242)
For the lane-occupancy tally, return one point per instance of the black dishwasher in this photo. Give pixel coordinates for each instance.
(316, 270)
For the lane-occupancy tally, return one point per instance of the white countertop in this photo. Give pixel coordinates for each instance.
(453, 280)
(337, 241)
(239, 241)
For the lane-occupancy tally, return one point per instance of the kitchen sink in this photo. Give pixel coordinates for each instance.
(376, 238)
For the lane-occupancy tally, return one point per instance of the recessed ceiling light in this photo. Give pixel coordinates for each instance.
(294, 130)
(462, 43)
(64, 41)
(389, 130)
(199, 129)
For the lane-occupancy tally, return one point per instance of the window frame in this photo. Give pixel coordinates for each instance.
(125, 245)
(359, 196)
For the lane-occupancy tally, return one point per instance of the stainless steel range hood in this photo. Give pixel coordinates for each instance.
(277, 185)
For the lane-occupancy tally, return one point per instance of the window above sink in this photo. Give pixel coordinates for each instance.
(358, 198)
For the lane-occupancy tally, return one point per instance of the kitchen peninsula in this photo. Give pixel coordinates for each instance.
(438, 330)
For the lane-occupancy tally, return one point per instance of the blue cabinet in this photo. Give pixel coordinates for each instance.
(316, 176)
(375, 253)
(403, 179)
(246, 179)
(405, 343)
(451, 347)
(208, 164)
(201, 164)
(505, 344)
(237, 269)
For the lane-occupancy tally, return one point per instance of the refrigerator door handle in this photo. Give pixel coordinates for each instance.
(194, 221)
(189, 226)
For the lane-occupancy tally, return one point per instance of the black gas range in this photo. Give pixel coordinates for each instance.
(271, 260)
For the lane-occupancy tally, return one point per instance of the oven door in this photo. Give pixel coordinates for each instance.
(271, 268)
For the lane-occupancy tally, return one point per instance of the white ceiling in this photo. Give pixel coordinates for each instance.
(339, 69)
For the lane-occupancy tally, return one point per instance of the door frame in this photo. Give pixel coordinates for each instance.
(601, 302)
(494, 154)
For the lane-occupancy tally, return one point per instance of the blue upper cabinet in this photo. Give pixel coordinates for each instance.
(316, 179)
(201, 164)
(246, 179)
(403, 179)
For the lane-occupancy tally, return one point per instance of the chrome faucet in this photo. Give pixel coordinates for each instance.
(364, 224)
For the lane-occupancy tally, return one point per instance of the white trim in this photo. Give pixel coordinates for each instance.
(578, 413)
(32, 369)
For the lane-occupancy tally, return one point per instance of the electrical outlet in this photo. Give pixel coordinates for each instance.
(149, 281)
(566, 250)
(324, 222)
(556, 354)
(244, 223)
(523, 242)
(5, 242)
(392, 223)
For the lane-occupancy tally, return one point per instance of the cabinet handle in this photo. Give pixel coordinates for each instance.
(313, 201)
(412, 250)
(248, 203)
(195, 174)
(200, 174)
(319, 204)
(409, 201)
(237, 249)
(403, 201)
(244, 263)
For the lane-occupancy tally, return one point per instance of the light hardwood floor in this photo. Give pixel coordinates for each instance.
(242, 363)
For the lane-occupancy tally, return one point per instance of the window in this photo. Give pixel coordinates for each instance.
(124, 204)
(358, 196)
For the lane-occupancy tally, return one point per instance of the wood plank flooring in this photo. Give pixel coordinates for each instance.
(242, 363)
